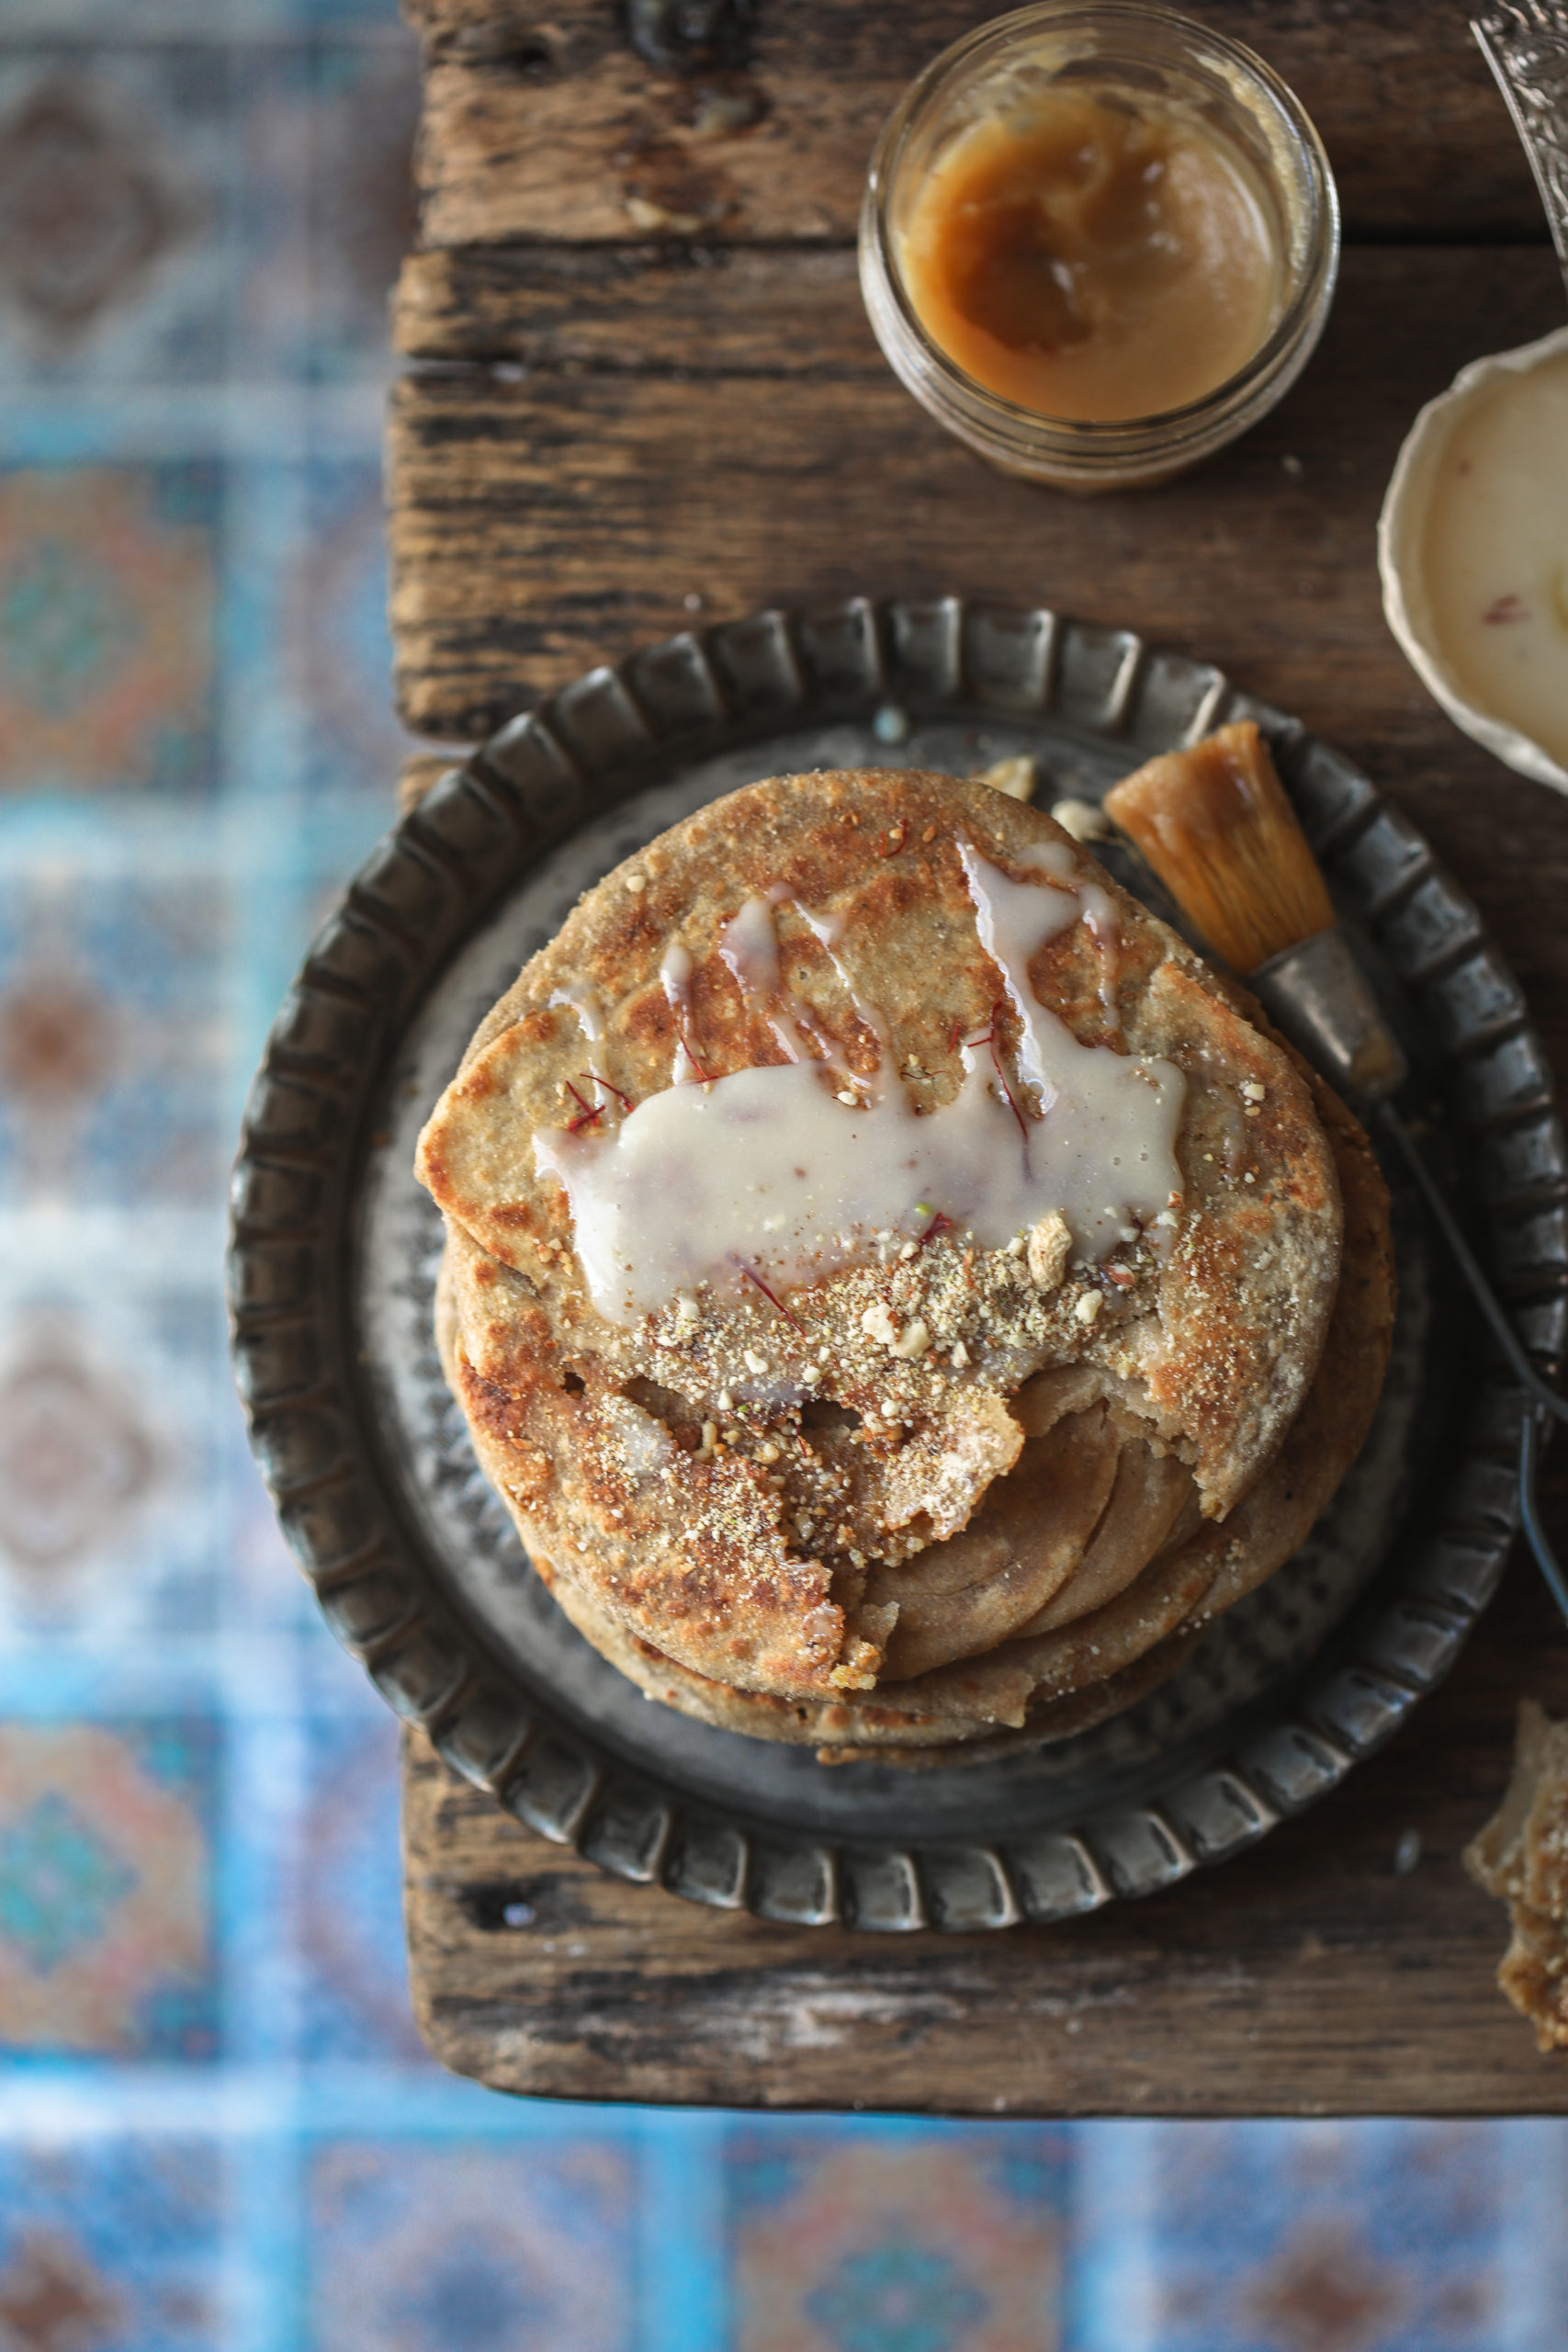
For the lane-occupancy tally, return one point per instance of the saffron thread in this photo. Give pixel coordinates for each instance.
(988, 1038)
(681, 1030)
(756, 1280)
(1002, 1082)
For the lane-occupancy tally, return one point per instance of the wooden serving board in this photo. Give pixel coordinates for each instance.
(752, 120)
(1312, 1976)
(643, 396)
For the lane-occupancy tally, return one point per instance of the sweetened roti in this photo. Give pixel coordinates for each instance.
(931, 1460)
(1126, 1650)
(1027, 1691)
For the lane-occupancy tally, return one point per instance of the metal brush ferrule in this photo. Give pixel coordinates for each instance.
(1317, 993)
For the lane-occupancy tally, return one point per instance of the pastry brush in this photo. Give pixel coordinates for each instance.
(1217, 828)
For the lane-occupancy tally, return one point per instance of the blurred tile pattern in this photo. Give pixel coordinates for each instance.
(116, 209)
(1329, 2236)
(219, 2131)
(108, 583)
(347, 1904)
(109, 1447)
(337, 631)
(324, 127)
(112, 1036)
(116, 2241)
(921, 2244)
(459, 2249)
(106, 1935)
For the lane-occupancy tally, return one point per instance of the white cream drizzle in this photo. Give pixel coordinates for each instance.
(588, 1011)
(1057, 860)
(768, 1169)
(749, 947)
(675, 978)
(749, 944)
(827, 931)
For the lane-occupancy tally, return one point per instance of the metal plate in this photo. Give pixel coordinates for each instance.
(417, 1566)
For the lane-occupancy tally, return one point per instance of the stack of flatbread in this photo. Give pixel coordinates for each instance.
(942, 1490)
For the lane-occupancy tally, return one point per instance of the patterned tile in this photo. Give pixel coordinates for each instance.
(106, 1838)
(262, 1589)
(112, 2245)
(274, 123)
(110, 1400)
(347, 1895)
(363, 216)
(202, 207)
(78, 1457)
(116, 247)
(342, 14)
(467, 2247)
(901, 2241)
(108, 579)
(1372, 2237)
(326, 136)
(102, 22)
(112, 1038)
(244, 21)
(339, 644)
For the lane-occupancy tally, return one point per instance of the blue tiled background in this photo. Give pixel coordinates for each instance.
(218, 2130)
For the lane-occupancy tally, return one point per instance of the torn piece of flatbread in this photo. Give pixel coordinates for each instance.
(1521, 1856)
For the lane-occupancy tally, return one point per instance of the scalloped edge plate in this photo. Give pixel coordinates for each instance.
(482, 831)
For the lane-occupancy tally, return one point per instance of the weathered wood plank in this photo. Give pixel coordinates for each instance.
(1305, 1977)
(656, 423)
(707, 309)
(542, 523)
(542, 119)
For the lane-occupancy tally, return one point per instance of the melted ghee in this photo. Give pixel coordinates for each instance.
(1091, 260)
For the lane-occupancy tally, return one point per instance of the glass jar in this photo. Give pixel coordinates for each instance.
(1128, 56)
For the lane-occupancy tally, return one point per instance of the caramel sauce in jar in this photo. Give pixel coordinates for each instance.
(1091, 257)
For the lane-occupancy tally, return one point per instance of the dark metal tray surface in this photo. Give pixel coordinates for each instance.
(416, 1564)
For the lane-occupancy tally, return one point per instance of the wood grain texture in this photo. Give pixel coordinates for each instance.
(1305, 1977)
(545, 521)
(709, 311)
(606, 420)
(542, 121)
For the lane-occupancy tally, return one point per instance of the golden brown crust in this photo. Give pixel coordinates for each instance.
(1533, 1972)
(1242, 1304)
(1052, 1720)
(1028, 1690)
(776, 1551)
(872, 1548)
(1332, 1425)
(1522, 1856)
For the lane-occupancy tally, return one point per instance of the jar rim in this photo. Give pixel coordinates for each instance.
(1312, 282)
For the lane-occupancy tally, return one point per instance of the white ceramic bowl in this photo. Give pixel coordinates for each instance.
(1400, 532)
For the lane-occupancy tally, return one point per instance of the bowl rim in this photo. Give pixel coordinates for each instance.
(1403, 598)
